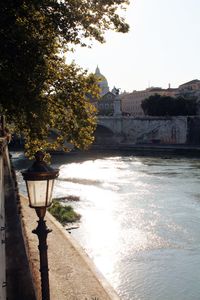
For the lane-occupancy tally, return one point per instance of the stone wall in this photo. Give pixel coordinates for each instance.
(15, 278)
(193, 137)
(155, 130)
(18, 276)
(2, 225)
(165, 130)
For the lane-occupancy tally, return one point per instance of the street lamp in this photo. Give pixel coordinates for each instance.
(39, 180)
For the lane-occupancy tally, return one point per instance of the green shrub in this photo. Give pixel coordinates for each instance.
(64, 214)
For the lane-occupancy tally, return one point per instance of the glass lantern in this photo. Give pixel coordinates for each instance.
(39, 180)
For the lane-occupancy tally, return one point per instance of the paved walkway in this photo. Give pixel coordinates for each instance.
(72, 274)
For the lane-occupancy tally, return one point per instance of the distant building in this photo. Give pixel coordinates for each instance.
(103, 83)
(131, 102)
(193, 85)
(190, 89)
(105, 105)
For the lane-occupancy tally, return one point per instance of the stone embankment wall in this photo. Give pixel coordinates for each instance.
(15, 278)
(2, 223)
(148, 130)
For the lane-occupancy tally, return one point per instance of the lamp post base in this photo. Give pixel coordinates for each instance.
(42, 231)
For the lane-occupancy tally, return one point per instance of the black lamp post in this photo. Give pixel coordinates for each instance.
(39, 180)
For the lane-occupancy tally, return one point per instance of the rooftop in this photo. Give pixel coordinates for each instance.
(190, 82)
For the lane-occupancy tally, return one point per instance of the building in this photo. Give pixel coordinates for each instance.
(105, 105)
(131, 102)
(193, 85)
(103, 83)
(190, 89)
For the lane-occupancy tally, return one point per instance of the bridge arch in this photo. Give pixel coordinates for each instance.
(108, 122)
(103, 135)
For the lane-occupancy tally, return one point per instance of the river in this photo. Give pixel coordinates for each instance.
(140, 220)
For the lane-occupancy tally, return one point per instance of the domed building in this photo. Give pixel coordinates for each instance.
(104, 105)
(103, 83)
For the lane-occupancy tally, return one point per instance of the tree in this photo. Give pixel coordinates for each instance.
(38, 91)
(158, 105)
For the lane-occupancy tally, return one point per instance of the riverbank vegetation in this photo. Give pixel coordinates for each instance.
(64, 213)
(67, 198)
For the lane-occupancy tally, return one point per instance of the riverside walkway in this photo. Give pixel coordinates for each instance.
(72, 274)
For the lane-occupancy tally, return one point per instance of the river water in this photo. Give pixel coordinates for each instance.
(140, 220)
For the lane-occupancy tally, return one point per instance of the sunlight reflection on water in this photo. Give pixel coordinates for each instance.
(131, 222)
(140, 222)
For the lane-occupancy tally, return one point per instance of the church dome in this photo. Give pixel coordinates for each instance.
(103, 83)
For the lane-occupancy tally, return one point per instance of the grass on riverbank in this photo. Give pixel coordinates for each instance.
(63, 213)
(68, 198)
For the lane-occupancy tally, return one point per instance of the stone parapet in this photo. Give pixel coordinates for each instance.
(16, 281)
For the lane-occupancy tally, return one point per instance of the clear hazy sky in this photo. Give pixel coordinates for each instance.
(162, 46)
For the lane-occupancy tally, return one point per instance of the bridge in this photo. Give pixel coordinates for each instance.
(119, 129)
